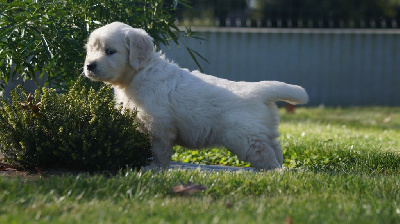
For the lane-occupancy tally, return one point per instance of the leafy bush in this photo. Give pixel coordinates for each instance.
(46, 38)
(81, 129)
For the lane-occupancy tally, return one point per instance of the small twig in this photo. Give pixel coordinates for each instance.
(5, 166)
(34, 107)
(39, 172)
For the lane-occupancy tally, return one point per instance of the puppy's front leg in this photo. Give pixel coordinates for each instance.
(162, 150)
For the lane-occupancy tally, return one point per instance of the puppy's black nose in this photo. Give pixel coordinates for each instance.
(91, 66)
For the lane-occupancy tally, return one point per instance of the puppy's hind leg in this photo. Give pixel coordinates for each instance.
(255, 149)
(262, 155)
(277, 149)
(274, 134)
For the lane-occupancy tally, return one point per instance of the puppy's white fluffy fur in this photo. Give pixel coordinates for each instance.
(176, 106)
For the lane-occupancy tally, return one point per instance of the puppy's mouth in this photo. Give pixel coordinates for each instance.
(91, 75)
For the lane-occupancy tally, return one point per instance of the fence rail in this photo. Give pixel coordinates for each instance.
(383, 23)
(338, 67)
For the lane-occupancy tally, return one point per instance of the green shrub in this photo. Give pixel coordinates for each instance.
(81, 129)
(46, 38)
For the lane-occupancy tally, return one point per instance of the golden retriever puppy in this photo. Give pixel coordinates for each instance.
(191, 109)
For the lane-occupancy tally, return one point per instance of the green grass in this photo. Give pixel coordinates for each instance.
(341, 166)
(365, 140)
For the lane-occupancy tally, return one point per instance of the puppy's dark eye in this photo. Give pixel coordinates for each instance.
(109, 51)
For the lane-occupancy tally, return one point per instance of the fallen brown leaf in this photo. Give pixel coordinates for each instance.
(289, 220)
(188, 189)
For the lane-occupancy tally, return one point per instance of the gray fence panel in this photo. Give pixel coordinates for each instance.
(337, 67)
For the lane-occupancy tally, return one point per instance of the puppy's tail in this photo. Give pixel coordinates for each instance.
(273, 91)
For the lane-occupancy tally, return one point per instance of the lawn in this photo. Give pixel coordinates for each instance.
(341, 166)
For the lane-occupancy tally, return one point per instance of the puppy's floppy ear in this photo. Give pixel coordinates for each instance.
(140, 46)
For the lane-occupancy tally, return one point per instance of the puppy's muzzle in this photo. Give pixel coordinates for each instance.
(91, 66)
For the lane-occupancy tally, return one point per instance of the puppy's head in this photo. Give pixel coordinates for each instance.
(115, 52)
